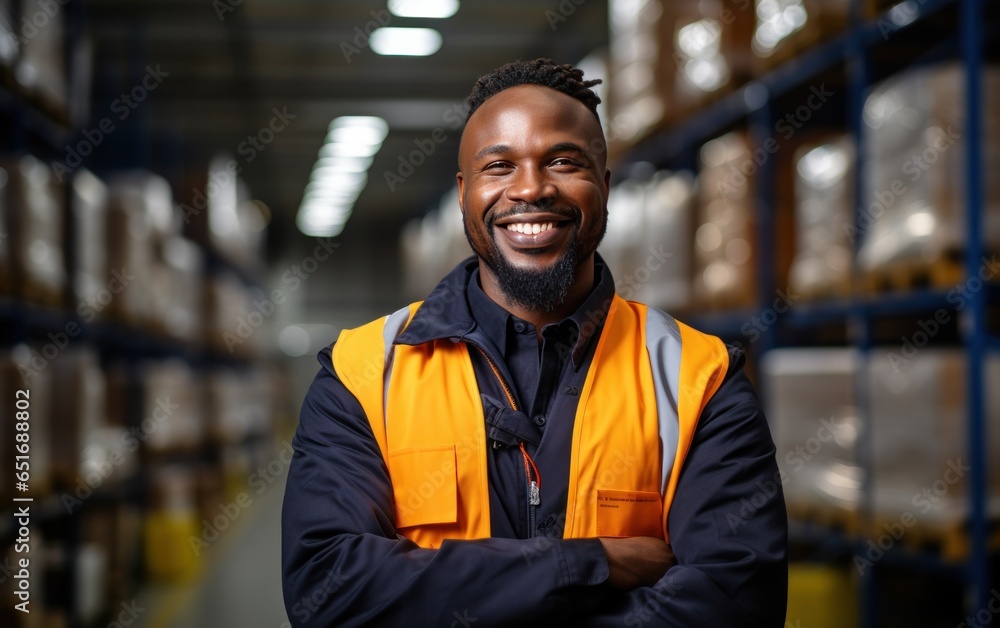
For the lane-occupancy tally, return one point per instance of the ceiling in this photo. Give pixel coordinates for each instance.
(231, 63)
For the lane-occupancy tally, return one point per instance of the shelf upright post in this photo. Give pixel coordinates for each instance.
(974, 328)
(859, 326)
(758, 101)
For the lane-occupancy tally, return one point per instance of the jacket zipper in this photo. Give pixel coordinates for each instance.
(533, 480)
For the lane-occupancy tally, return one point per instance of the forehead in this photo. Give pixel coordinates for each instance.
(519, 114)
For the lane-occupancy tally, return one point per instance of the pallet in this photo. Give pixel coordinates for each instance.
(41, 295)
(948, 539)
(840, 289)
(843, 520)
(905, 277)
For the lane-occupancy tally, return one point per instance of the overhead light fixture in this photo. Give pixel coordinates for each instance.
(407, 42)
(437, 9)
(340, 174)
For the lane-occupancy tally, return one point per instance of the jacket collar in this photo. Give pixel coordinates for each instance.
(446, 312)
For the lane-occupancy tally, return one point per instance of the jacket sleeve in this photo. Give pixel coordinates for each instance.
(728, 526)
(343, 564)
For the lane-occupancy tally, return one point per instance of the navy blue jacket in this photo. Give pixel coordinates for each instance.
(344, 564)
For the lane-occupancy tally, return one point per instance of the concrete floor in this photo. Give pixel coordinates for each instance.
(240, 583)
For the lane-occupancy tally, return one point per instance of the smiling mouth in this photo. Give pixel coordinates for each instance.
(531, 228)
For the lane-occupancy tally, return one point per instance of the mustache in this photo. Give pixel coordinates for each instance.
(568, 213)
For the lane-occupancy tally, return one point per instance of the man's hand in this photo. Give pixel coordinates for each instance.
(637, 562)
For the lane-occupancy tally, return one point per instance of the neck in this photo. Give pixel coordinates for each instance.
(583, 282)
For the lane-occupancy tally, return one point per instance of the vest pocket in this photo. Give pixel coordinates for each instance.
(629, 513)
(424, 485)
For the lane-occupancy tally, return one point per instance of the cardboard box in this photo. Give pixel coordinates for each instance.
(824, 213)
(725, 238)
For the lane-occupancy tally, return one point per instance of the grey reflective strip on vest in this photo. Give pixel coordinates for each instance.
(663, 341)
(393, 326)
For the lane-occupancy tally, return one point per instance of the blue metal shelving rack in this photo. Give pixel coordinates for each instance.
(30, 130)
(853, 52)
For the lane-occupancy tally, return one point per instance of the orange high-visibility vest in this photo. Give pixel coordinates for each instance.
(647, 385)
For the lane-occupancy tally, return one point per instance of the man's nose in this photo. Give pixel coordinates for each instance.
(531, 185)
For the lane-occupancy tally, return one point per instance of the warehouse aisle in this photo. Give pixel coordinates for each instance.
(241, 584)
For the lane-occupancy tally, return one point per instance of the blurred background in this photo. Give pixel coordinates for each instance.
(196, 196)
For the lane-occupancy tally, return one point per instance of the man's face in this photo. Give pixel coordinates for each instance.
(533, 186)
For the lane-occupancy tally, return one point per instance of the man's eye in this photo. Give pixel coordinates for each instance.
(496, 164)
(565, 161)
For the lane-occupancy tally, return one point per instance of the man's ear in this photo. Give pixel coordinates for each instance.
(461, 190)
(607, 181)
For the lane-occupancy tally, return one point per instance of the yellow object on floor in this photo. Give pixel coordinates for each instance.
(821, 596)
(169, 554)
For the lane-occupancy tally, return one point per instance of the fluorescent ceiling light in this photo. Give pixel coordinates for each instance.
(348, 150)
(365, 132)
(320, 230)
(424, 8)
(349, 194)
(334, 178)
(409, 42)
(340, 174)
(345, 164)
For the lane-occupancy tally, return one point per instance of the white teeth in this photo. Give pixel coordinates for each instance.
(531, 228)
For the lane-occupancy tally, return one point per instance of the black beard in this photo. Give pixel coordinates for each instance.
(543, 289)
(531, 289)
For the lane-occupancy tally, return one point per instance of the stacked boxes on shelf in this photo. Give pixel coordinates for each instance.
(913, 207)
(725, 274)
(648, 242)
(32, 221)
(919, 413)
(172, 417)
(810, 403)
(917, 424)
(668, 58)
(622, 244)
(431, 246)
(824, 218)
(662, 277)
(128, 422)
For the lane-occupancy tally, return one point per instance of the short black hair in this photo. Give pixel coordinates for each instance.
(563, 78)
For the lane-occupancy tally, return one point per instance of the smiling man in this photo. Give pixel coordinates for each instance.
(416, 495)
